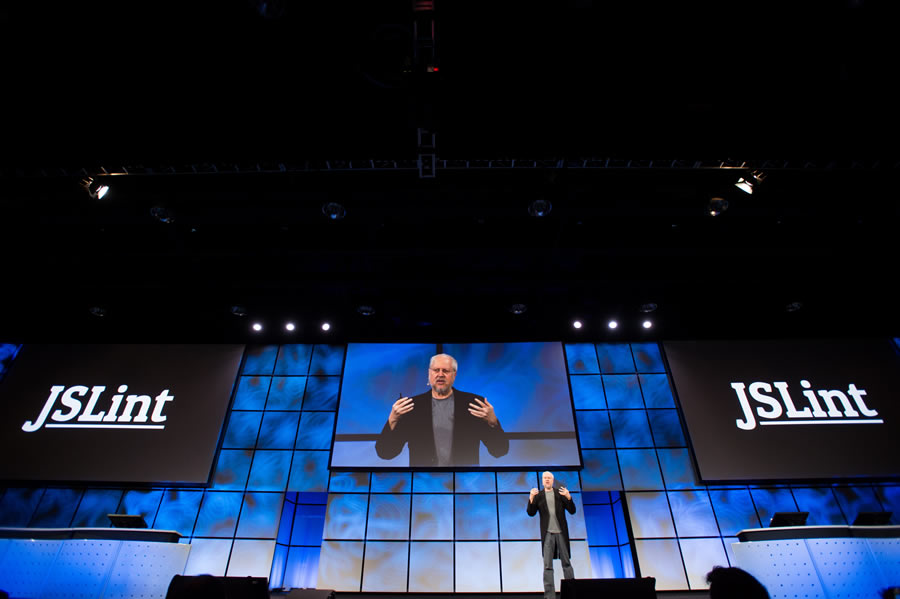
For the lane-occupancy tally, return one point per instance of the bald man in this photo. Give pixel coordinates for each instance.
(553, 505)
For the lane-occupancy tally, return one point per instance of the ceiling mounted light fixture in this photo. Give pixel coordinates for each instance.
(365, 310)
(717, 206)
(749, 183)
(648, 307)
(95, 188)
(540, 208)
(334, 211)
(518, 309)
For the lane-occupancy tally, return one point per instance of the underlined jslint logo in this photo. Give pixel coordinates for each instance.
(824, 406)
(110, 417)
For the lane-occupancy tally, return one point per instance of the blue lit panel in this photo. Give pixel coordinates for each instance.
(515, 523)
(821, 504)
(309, 472)
(316, 430)
(243, 428)
(581, 358)
(278, 431)
(251, 558)
(475, 482)
(391, 482)
(340, 565)
(476, 517)
(302, 569)
(308, 525)
(385, 566)
(512, 482)
(349, 482)
(432, 517)
(218, 514)
(700, 555)
(232, 469)
(521, 564)
(666, 428)
(769, 501)
(693, 514)
(563, 478)
(596, 497)
(431, 567)
(143, 502)
(854, 500)
(327, 359)
(677, 469)
(18, 505)
(286, 393)
(601, 528)
(647, 357)
(345, 517)
(606, 563)
(577, 527)
(615, 357)
(56, 509)
(293, 359)
(889, 495)
(477, 567)
(601, 470)
(587, 392)
(321, 393)
(279, 563)
(251, 393)
(95, 504)
(657, 392)
(661, 559)
(593, 429)
(178, 511)
(388, 517)
(432, 482)
(259, 515)
(639, 469)
(734, 510)
(8, 352)
(260, 359)
(630, 428)
(623, 391)
(650, 516)
(208, 556)
(619, 515)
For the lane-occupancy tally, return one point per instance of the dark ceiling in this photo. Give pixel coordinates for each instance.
(242, 119)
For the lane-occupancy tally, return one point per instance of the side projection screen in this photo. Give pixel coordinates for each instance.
(115, 413)
(502, 405)
(790, 410)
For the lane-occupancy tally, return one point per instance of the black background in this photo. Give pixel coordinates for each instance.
(703, 372)
(200, 377)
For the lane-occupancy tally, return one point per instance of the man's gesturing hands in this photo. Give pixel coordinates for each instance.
(402, 406)
(484, 410)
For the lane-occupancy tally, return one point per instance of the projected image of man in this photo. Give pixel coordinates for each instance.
(443, 426)
(553, 505)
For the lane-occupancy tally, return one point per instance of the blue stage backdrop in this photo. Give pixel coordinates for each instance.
(274, 509)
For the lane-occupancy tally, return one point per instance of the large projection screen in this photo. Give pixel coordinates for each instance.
(525, 383)
(789, 409)
(146, 414)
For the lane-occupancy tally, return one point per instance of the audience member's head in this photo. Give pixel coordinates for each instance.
(734, 583)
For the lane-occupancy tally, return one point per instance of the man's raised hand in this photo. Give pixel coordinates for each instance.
(402, 406)
(482, 409)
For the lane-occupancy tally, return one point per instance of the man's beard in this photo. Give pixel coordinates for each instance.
(441, 389)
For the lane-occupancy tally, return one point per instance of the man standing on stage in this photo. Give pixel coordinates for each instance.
(553, 504)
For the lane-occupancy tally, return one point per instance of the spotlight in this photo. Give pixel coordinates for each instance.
(577, 324)
(95, 189)
(257, 327)
(289, 326)
(648, 308)
(98, 311)
(366, 310)
(794, 306)
(540, 208)
(334, 211)
(518, 309)
(647, 324)
(238, 310)
(613, 324)
(717, 206)
(326, 326)
(749, 183)
(163, 214)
